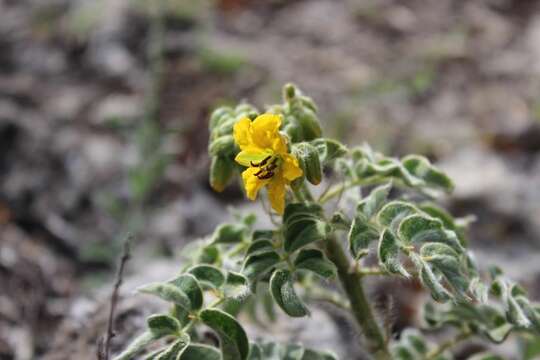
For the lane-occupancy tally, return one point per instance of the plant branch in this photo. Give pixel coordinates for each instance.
(360, 307)
(105, 349)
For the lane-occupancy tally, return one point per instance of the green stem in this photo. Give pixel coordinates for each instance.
(360, 307)
(463, 335)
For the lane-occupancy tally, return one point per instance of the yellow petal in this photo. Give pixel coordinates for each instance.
(276, 193)
(252, 183)
(265, 130)
(279, 145)
(242, 133)
(290, 167)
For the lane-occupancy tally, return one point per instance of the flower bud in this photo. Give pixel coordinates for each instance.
(308, 157)
(293, 131)
(225, 127)
(245, 110)
(308, 121)
(289, 92)
(222, 146)
(308, 103)
(221, 172)
(219, 115)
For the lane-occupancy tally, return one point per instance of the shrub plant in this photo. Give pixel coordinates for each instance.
(319, 246)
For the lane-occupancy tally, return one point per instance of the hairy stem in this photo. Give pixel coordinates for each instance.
(463, 335)
(360, 307)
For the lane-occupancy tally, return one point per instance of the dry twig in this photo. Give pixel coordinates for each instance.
(104, 344)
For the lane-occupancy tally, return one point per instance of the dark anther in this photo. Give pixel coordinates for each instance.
(262, 163)
(271, 167)
(259, 172)
(268, 175)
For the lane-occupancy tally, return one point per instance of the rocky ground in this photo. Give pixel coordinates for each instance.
(99, 137)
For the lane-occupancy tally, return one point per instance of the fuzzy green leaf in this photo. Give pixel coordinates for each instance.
(259, 264)
(137, 345)
(236, 286)
(208, 255)
(389, 254)
(420, 167)
(200, 352)
(233, 339)
(430, 280)
(392, 213)
(416, 229)
(303, 226)
(329, 149)
(315, 261)
(162, 325)
(372, 203)
(499, 334)
(263, 235)
(446, 260)
(361, 235)
(175, 349)
(189, 285)
(310, 354)
(208, 276)
(414, 339)
(167, 292)
(229, 233)
(259, 246)
(282, 290)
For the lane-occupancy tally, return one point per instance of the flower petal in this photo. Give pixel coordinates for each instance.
(290, 167)
(279, 145)
(242, 133)
(265, 130)
(252, 183)
(276, 193)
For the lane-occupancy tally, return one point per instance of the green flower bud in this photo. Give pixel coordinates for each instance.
(308, 121)
(245, 110)
(289, 92)
(221, 172)
(225, 127)
(223, 145)
(293, 131)
(308, 103)
(219, 115)
(308, 157)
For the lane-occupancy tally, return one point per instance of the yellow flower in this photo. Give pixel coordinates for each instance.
(264, 152)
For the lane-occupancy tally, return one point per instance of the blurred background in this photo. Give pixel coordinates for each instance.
(103, 132)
